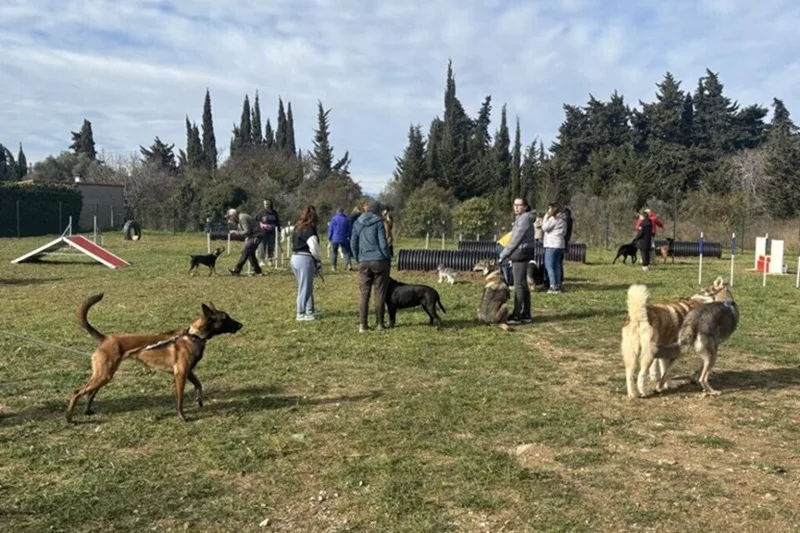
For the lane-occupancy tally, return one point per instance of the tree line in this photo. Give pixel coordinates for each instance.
(688, 150)
(180, 189)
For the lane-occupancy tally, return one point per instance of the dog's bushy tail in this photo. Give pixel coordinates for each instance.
(438, 301)
(637, 303)
(83, 322)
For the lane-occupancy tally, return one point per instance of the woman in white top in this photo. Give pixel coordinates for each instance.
(555, 228)
(306, 260)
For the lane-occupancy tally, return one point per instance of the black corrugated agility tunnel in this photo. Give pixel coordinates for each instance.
(692, 248)
(575, 252)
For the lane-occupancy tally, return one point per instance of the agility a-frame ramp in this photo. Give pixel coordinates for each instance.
(79, 244)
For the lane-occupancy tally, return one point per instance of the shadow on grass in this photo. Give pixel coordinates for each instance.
(620, 287)
(28, 281)
(241, 400)
(739, 380)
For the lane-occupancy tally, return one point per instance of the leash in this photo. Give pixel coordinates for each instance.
(42, 343)
(153, 346)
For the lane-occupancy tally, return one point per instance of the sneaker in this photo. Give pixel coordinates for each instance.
(308, 317)
(300, 318)
(379, 327)
(526, 319)
(315, 312)
(513, 321)
(234, 272)
(553, 290)
(259, 273)
(261, 264)
(363, 329)
(646, 269)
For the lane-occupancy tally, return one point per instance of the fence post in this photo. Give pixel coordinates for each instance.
(427, 233)
(460, 231)
(700, 270)
(733, 255)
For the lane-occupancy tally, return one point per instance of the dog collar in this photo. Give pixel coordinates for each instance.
(728, 303)
(193, 335)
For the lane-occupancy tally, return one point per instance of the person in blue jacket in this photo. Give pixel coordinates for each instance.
(339, 236)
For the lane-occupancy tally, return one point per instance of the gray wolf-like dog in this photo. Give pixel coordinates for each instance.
(650, 331)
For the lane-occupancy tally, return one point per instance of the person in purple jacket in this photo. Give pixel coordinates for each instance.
(339, 236)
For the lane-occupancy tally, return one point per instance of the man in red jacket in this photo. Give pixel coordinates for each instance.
(654, 221)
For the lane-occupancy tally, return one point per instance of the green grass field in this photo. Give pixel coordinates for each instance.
(313, 427)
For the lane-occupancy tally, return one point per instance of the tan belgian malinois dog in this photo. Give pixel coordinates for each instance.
(176, 351)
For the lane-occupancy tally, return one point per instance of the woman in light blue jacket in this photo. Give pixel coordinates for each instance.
(555, 229)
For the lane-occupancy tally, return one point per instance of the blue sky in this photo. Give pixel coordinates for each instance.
(135, 68)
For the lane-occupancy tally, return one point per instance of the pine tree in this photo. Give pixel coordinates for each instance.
(22, 164)
(453, 158)
(280, 133)
(782, 193)
(481, 157)
(8, 167)
(269, 136)
(432, 149)
(410, 171)
(516, 163)
(290, 142)
(322, 156)
(255, 122)
(161, 155)
(209, 139)
(83, 141)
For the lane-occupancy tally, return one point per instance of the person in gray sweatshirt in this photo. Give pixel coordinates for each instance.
(520, 251)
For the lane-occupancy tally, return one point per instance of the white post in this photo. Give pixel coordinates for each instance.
(797, 280)
(112, 216)
(477, 236)
(277, 254)
(69, 228)
(460, 231)
(700, 270)
(208, 240)
(229, 242)
(94, 229)
(766, 260)
(733, 256)
(442, 240)
(427, 239)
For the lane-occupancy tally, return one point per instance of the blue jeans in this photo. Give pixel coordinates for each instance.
(303, 267)
(553, 265)
(335, 252)
(505, 267)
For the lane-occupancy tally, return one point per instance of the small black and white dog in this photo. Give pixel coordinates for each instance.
(209, 260)
(402, 296)
(625, 251)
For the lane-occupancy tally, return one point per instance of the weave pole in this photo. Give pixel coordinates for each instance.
(700, 269)
(733, 255)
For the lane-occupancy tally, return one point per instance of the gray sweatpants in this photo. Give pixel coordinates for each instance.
(303, 268)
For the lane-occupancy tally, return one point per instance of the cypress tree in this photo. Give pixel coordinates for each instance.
(290, 141)
(245, 126)
(209, 139)
(280, 132)
(269, 136)
(322, 156)
(255, 123)
(516, 163)
(502, 155)
(83, 141)
(22, 164)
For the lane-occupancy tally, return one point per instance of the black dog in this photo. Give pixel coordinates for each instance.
(626, 250)
(402, 296)
(209, 260)
(536, 275)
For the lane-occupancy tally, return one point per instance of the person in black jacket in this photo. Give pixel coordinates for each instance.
(567, 237)
(270, 225)
(644, 239)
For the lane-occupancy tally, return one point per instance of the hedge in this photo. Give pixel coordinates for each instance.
(38, 208)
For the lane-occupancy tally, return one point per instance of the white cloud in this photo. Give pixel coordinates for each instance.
(136, 68)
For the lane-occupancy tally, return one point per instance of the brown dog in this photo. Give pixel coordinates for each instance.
(666, 251)
(176, 351)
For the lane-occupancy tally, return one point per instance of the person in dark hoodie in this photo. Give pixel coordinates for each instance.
(270, 225)
(644, 238)
(370, 248)
(339, 236)
(520, 251)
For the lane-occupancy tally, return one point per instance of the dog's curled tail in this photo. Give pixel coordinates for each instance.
(83, 322)
(637, 303)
